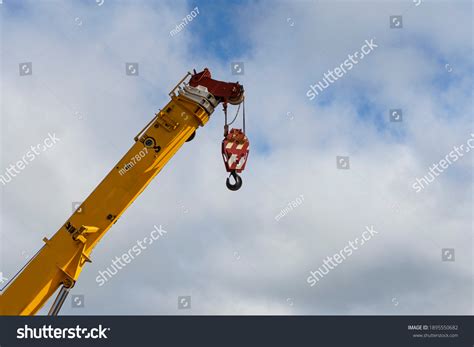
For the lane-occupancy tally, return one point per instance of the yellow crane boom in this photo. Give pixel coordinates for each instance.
(61, 260)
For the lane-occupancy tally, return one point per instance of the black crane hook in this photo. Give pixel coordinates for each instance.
(237, 179)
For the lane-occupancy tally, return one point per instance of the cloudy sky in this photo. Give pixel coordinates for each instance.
(226, 249)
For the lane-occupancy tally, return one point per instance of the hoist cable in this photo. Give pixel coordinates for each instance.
(243, 113)
(236, 114)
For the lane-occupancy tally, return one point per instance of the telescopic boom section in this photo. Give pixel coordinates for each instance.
(62, 258)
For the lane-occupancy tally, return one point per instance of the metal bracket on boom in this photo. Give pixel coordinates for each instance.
(84, 230)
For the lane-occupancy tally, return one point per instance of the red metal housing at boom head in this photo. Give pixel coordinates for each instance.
(227, 92)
